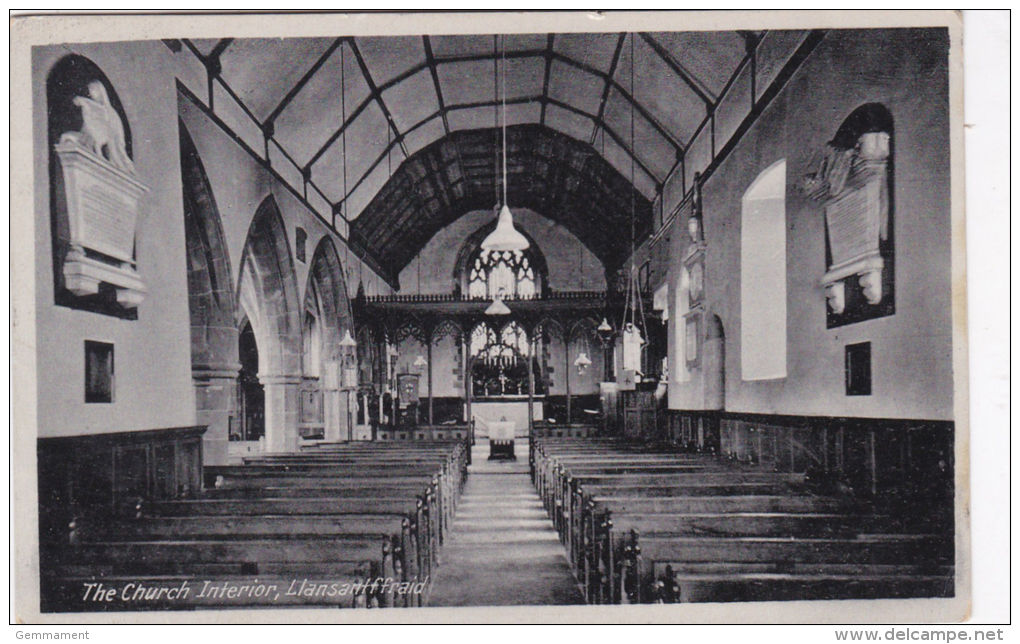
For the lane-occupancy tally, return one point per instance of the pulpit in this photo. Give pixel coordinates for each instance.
(501, 440)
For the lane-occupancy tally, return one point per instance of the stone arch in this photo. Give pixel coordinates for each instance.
(326, 276)
(326, 296)
(214, 333)
(268, 295)
(870, 117)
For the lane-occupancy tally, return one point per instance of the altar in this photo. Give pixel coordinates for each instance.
(510, 409)
(501, 440)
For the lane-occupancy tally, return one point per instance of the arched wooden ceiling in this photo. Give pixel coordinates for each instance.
(548, 172)
(402, 95)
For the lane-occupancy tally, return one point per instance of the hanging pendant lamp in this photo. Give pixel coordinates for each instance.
(633, 329)
(420, 361)
(582, 362)
(604, 330)
(506, 236)
(497, 307)
(347, 342)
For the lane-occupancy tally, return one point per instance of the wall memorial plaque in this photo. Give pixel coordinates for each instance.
(102, 196)
(853, 185)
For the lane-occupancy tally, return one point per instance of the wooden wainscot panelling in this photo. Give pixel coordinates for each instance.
(901, 460)
(904, 466)
(84, 479)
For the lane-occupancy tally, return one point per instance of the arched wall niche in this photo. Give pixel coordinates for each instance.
(67, 80)
(860, 159)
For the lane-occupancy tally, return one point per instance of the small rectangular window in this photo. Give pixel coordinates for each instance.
(300, 238)
(98, 372)
(858, 369)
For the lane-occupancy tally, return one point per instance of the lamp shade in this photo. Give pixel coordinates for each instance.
(604, 330)
(582, 361)
(497, 307)
(347, 341)
(420, 361)
(505, 237)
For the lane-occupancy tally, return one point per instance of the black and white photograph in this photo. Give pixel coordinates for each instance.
(401, 315)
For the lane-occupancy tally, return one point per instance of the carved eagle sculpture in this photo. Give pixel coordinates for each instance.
(102, 130)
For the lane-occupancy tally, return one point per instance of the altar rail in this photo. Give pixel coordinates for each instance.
(426, 432)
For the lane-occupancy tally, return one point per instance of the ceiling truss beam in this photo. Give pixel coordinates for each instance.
(545, 81)
(294, 91)
(605, 91)
(377, 94)
(696, 85)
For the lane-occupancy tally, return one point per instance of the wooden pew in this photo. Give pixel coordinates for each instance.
(344, 587)
(325, 555)
(646, 555)
(721, 532)
(337, 514)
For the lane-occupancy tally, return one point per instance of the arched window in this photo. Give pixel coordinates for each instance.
(511, 272)
(509, 345)
(763, 276)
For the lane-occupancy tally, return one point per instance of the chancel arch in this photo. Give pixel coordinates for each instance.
(268, 296)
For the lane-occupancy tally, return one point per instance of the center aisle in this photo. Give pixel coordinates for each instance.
(502, 548)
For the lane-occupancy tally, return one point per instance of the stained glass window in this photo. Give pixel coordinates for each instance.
(509, 271)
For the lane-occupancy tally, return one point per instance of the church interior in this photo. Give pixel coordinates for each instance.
(521, 319)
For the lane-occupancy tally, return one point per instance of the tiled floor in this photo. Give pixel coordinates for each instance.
(502, 549)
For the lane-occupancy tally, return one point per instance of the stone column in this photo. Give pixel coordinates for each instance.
(429, 358)
(566, 371)
(346, 406)
(333, 422)
(282, 410)
(215, 403)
